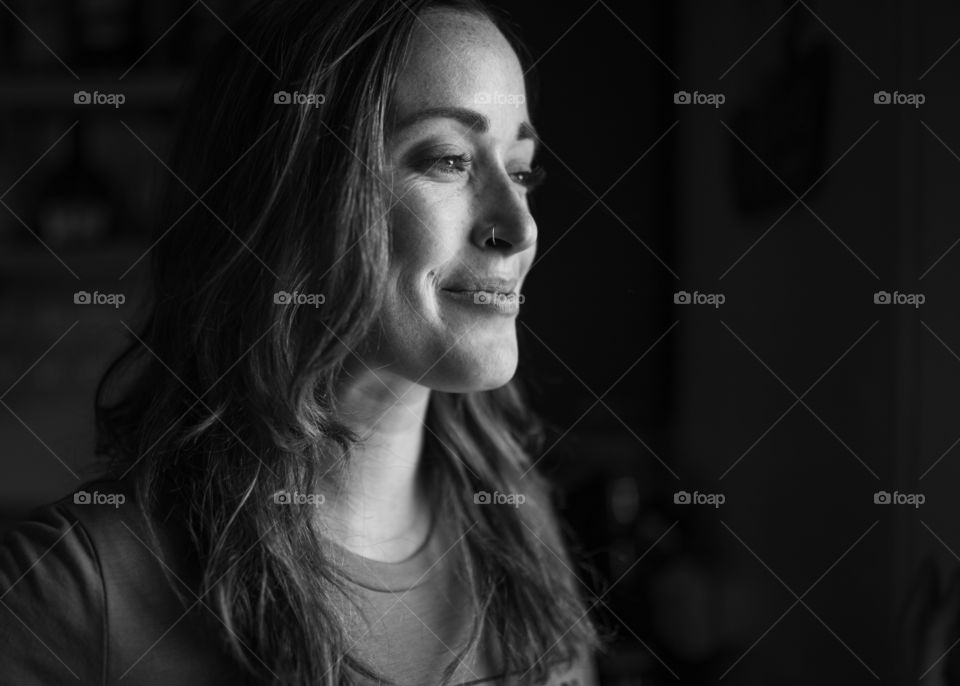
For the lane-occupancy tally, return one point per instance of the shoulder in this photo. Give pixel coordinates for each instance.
(90, 532)
(52, 623)
(88, 594)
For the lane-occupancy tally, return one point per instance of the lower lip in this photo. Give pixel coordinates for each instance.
(485, 301)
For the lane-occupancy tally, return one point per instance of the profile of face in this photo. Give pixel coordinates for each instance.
(460, 150)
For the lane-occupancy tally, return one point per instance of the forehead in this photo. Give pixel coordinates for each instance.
(455, 57)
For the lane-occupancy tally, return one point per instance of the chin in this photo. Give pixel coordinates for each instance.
(468, 373)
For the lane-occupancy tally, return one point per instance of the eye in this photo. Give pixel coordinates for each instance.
(530, 179)
(447, 164)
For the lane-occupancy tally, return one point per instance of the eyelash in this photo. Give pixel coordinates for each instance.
(533, 178)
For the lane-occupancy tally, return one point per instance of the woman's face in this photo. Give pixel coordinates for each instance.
(460, 151)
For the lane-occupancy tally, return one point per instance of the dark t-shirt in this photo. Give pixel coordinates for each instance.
(85, 601)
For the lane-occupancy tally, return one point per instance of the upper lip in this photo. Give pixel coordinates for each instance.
(491, 284)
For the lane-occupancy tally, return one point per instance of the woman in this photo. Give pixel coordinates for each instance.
(320, 470)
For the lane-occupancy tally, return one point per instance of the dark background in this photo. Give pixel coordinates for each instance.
(797, 399)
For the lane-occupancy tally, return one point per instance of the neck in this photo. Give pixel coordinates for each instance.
(381, 510)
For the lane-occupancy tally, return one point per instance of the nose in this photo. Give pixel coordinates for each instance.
(504, 221)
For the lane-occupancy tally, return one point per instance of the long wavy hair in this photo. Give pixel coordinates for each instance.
(222, 398)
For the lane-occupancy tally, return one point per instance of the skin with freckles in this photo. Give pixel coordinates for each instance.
(460, 160)
(440, 229)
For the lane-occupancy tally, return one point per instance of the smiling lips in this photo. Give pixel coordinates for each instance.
(494, 285)
(491, 295)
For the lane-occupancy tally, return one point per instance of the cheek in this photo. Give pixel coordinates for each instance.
(422, 336)
(427, 235)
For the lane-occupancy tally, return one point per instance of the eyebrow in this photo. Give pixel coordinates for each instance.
(469, 118)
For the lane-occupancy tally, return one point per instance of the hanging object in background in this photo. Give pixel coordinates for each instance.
(75, 205)
(786, 124)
